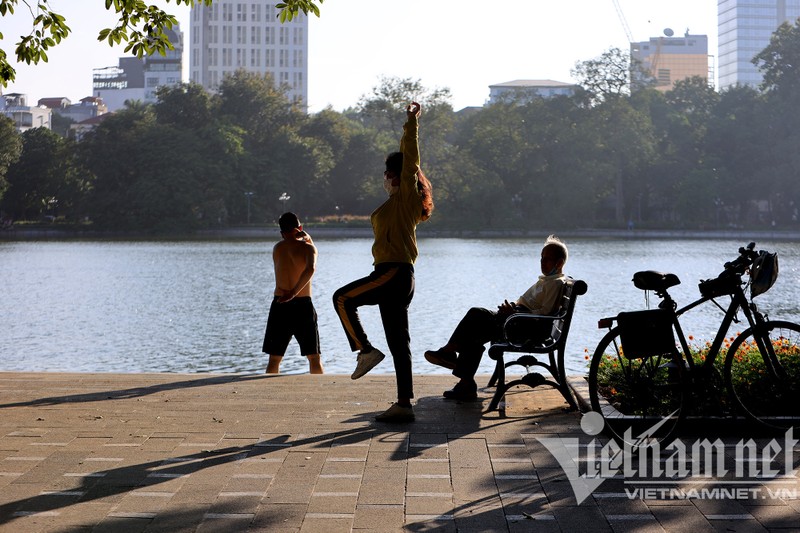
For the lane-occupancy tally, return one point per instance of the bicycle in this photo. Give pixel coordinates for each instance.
(643, 382)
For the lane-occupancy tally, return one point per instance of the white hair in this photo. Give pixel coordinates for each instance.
(552, 240)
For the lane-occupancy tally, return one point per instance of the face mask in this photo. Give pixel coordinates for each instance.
(389, 188)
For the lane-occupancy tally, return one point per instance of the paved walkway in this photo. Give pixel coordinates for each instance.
(236, 452)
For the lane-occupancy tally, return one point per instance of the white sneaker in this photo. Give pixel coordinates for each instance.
(366, 362)
(396, 413)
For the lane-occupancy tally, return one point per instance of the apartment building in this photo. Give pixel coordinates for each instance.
(233, 34)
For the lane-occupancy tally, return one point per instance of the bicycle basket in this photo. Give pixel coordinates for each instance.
(646, 333)
(763, 273)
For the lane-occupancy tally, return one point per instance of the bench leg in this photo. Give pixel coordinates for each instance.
(499, 378)
(493, 379)
(566, 392)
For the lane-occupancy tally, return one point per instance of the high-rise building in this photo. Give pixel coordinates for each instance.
(230, 35)
(668, 59)
(138, 79)
(745, 28)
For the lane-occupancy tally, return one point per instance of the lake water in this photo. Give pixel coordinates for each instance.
(201, 306)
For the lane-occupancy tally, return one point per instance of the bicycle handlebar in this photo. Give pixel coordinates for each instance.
(739, 265)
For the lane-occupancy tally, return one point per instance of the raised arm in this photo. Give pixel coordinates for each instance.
(409, 145)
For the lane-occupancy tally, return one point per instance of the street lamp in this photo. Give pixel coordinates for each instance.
(248, 195)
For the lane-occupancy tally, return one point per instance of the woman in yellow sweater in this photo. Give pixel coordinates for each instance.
(390, 286)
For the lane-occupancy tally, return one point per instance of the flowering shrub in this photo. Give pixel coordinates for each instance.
(642, 386)
(755, 385)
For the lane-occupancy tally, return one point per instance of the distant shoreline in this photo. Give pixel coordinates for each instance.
(270, 233)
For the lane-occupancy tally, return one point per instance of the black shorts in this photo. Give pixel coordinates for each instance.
(297, 318)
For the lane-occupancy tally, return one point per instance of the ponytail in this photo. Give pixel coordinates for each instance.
(426, 194)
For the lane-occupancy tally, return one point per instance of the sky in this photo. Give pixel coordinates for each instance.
(463, 45)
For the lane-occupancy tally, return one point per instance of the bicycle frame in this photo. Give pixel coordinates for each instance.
(643, 388)
(738, 302)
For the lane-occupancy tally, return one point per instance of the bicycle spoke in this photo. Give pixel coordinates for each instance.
(635, 395)
(765, 385)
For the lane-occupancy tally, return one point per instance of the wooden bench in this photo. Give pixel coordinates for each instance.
(522, 335)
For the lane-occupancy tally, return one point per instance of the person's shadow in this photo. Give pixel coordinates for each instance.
(437, 418)
(137, 392)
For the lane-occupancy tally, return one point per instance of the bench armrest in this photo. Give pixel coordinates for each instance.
(520, 329)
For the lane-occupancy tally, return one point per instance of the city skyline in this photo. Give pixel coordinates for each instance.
(460, 45)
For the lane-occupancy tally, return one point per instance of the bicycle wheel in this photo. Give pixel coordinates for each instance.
(765, 386)
(641, 400)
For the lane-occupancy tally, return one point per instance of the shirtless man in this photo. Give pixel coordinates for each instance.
(291, 312)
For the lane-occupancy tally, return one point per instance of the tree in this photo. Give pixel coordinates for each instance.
(187, 105)
(252, 101)
(39, 177)
(10, 149)
(624, 151)
(604, 76)
(493, 149)
(141, 26)
(384, 105)
(779, 60)
(738, 142)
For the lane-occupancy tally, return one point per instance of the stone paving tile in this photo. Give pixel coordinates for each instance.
(153, 452)
(382, 486)
(379, 517)
(674, 518)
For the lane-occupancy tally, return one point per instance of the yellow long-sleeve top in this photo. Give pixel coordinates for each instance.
(394, 223)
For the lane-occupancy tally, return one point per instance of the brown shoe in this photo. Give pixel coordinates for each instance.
(442, 357)
(397, 413)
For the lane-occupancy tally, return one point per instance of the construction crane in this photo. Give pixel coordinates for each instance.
(622, 20)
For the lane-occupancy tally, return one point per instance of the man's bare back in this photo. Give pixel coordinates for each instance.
(295, 261)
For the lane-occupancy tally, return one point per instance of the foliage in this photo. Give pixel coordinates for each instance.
(140, 26)
(291, 8)
(708, 394)
(752, 380)
(40, 179)
(778, 62)
(686, 158)
(605, 76)
(10, 149)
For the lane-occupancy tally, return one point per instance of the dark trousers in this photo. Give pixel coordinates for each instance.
(478, 327)
(391, 287)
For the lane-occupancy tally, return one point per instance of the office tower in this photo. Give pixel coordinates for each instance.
(667, 59)
(745, 28)
(230, 35)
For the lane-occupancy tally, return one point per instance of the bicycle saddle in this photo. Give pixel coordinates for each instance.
(650, 280)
